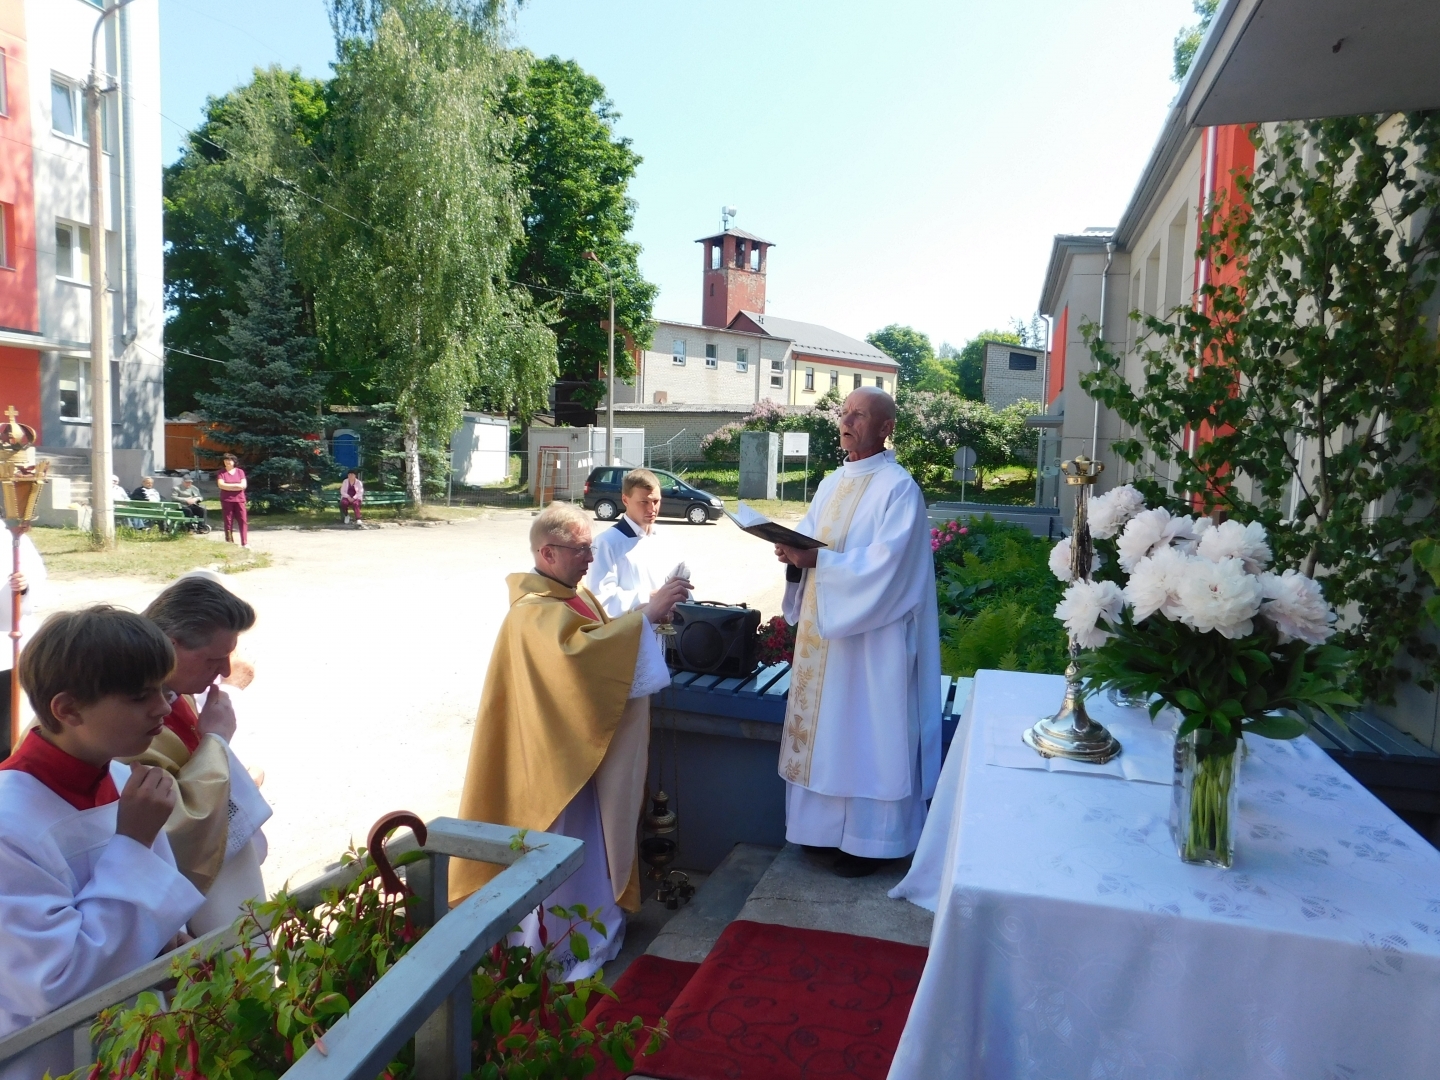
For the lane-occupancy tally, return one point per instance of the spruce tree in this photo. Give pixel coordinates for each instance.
(269, 396)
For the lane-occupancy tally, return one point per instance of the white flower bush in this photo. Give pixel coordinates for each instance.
(1213, 578)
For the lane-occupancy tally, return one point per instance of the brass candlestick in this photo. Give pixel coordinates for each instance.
(21, 478)
(1070, 733)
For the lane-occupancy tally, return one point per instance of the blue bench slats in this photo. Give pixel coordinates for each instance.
(780, 688)
(1387, 740)
(762, 680)
(727, 686)
(1343, 738)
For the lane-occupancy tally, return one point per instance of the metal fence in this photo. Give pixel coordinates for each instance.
(425, 996)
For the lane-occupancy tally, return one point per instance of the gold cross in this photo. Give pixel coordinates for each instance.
(13, 413)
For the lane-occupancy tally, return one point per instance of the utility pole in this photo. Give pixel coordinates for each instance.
(102, 457)
(610, 370)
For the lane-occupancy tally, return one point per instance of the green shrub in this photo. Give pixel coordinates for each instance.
(997, 599)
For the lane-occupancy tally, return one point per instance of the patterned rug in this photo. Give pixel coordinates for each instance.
(777, 1003)
(647, 989)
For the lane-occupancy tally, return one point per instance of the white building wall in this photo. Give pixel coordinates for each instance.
(59, 33)
(695, 382)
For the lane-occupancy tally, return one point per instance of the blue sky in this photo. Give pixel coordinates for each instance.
(911, 160)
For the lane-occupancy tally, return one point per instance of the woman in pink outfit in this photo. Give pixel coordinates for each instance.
(232, 500)
(352, 496)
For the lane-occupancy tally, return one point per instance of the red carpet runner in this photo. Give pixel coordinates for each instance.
(647, 989)
(776, 1003)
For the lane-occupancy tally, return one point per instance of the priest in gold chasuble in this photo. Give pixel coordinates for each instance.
(562, 738)
(860, 752)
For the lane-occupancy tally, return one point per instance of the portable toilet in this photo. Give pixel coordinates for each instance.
(345, 448)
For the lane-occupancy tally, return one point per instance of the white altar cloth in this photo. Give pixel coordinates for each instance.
(1070, 942)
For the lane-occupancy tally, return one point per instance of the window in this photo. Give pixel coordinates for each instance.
(715, 258)
(4, 84)
(857, 380)
(810, 379)
(742, 359)
(6, 217)
(74, 388)
(834, 379)
(67, 111)
(739, 253)
(677, 352)
(755, 257)
(712, 356)
(72, 251)
(777, 374)
(880, 382)
(1020, 361)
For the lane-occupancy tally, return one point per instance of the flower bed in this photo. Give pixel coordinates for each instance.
(996, 593)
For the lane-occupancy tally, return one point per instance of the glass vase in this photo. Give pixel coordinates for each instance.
(1205, 808)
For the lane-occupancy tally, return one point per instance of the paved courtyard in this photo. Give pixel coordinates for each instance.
(370, 654)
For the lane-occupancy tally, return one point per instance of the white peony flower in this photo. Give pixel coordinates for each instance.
(1219, 596)
(1060, 556)
(1197, 533)
(1231, 540)
(1154, 584)
(1084, 604)
(1110, 511)
(1149, 531)
(1296, 607)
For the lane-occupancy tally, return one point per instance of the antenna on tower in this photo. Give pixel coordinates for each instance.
(727, 217)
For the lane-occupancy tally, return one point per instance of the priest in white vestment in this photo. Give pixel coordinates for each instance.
(860, 752)
(633, 557)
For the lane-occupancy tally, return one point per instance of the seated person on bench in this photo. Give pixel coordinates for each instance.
(352, 496)
(190, 498)
(146, 491)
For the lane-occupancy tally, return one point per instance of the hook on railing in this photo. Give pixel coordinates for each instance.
(375, 844)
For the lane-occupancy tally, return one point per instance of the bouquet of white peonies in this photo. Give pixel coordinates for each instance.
(1187, 613)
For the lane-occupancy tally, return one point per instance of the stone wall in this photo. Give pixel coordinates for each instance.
(1013, 373)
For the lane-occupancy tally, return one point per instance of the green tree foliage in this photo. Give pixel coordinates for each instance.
(930, 427)
(406, 217)
(907, 346)
(213, 219)
(573, 176)
(1187, 41)
(822, 422)
(268, 397)
(970, 363)
(1315, 377)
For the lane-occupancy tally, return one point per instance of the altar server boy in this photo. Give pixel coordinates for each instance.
(88, 886)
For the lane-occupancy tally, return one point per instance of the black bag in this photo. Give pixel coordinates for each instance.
(715, 639)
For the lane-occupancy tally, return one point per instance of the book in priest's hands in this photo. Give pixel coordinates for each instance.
(757, 524)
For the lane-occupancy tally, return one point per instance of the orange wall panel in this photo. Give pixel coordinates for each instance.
(19, 292)
(20, 386)
(1057, 357)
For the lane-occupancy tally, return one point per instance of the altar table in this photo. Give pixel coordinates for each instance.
(1070, 942)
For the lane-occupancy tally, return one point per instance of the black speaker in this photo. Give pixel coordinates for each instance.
(715, 639)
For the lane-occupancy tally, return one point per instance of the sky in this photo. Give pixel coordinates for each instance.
(911, 159)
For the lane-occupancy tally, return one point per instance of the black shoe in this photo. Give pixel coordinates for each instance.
(855, 866)
(820, 852)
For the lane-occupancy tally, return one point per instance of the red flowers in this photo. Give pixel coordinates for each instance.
(777, 641)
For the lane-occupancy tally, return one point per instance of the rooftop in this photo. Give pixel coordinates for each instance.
(741, 233)
(820, 340)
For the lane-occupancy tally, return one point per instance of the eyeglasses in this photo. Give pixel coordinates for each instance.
(588, 549)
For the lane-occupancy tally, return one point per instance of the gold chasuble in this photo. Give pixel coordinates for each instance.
(556, 700)
(807, 670)
(199, 826)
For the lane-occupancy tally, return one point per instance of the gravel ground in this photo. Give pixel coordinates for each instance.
(370, 654)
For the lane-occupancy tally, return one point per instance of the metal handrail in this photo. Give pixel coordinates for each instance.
(426, 995)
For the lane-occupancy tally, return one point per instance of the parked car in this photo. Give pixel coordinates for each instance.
(677, 498)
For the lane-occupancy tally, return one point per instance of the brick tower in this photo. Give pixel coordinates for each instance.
(734, 278)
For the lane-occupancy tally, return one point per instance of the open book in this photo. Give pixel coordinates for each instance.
(757, 524)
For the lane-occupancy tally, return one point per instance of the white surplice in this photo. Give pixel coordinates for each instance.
(629, 565)
(605, 815)
(79, 907)
(861, 762)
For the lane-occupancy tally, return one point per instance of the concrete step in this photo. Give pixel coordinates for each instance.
(693, 931)
(74, 464)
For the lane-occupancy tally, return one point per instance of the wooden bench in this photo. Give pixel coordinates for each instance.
(168, 515)
(372, 500)
(1397, 770)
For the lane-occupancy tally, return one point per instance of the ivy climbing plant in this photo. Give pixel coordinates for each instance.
(1299, 390)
